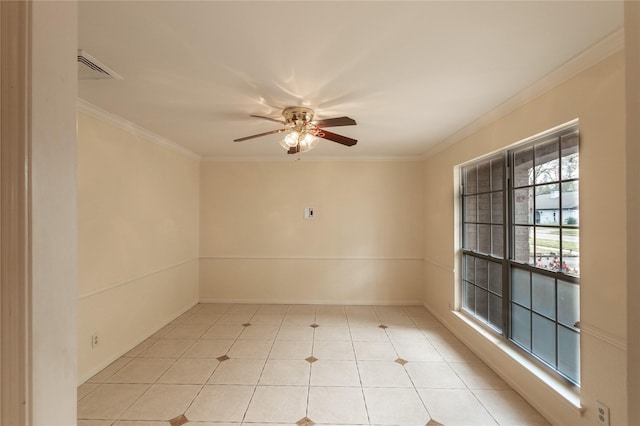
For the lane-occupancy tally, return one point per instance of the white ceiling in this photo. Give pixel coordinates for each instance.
(410, 73)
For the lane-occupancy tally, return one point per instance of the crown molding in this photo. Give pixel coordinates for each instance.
(290, 159)
(581, 62)
(124, 124)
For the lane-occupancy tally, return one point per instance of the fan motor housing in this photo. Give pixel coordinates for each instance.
(297, 116)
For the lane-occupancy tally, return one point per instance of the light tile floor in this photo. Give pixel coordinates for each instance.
(226, 364)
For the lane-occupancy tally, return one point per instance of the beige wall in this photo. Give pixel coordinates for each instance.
(364, 244)
(137, 239)
(596, 98)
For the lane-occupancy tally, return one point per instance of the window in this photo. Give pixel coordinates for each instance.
(520, 245)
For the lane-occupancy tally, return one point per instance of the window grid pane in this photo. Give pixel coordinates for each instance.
(543, 339)
(543, 295)
(569, 353)
(521, 326)
(495, 312)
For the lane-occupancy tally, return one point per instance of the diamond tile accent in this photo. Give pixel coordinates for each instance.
(311, 359)
(403, 362)
(355, 382)
(179, 421)
(305, 421)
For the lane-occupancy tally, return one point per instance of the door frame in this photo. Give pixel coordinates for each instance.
(15, 256)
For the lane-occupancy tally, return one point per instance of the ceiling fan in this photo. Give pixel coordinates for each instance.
(303, 132)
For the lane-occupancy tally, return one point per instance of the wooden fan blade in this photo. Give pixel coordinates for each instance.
(337, 138)
(334, 122)
(268, 118)
(260, 134)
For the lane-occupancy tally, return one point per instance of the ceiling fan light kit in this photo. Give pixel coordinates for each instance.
(304, 134)
(305, 141)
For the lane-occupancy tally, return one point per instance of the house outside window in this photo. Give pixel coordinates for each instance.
(520, 247)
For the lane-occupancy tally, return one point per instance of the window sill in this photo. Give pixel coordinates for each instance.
(570, 394)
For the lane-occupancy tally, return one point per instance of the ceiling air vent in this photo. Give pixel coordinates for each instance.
(89, 68)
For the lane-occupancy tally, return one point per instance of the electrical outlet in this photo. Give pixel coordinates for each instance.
(602, 411)
(94, 340)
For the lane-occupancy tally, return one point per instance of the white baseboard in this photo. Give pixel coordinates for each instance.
(316, 302)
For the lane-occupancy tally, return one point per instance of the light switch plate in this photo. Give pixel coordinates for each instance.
(308, 213)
